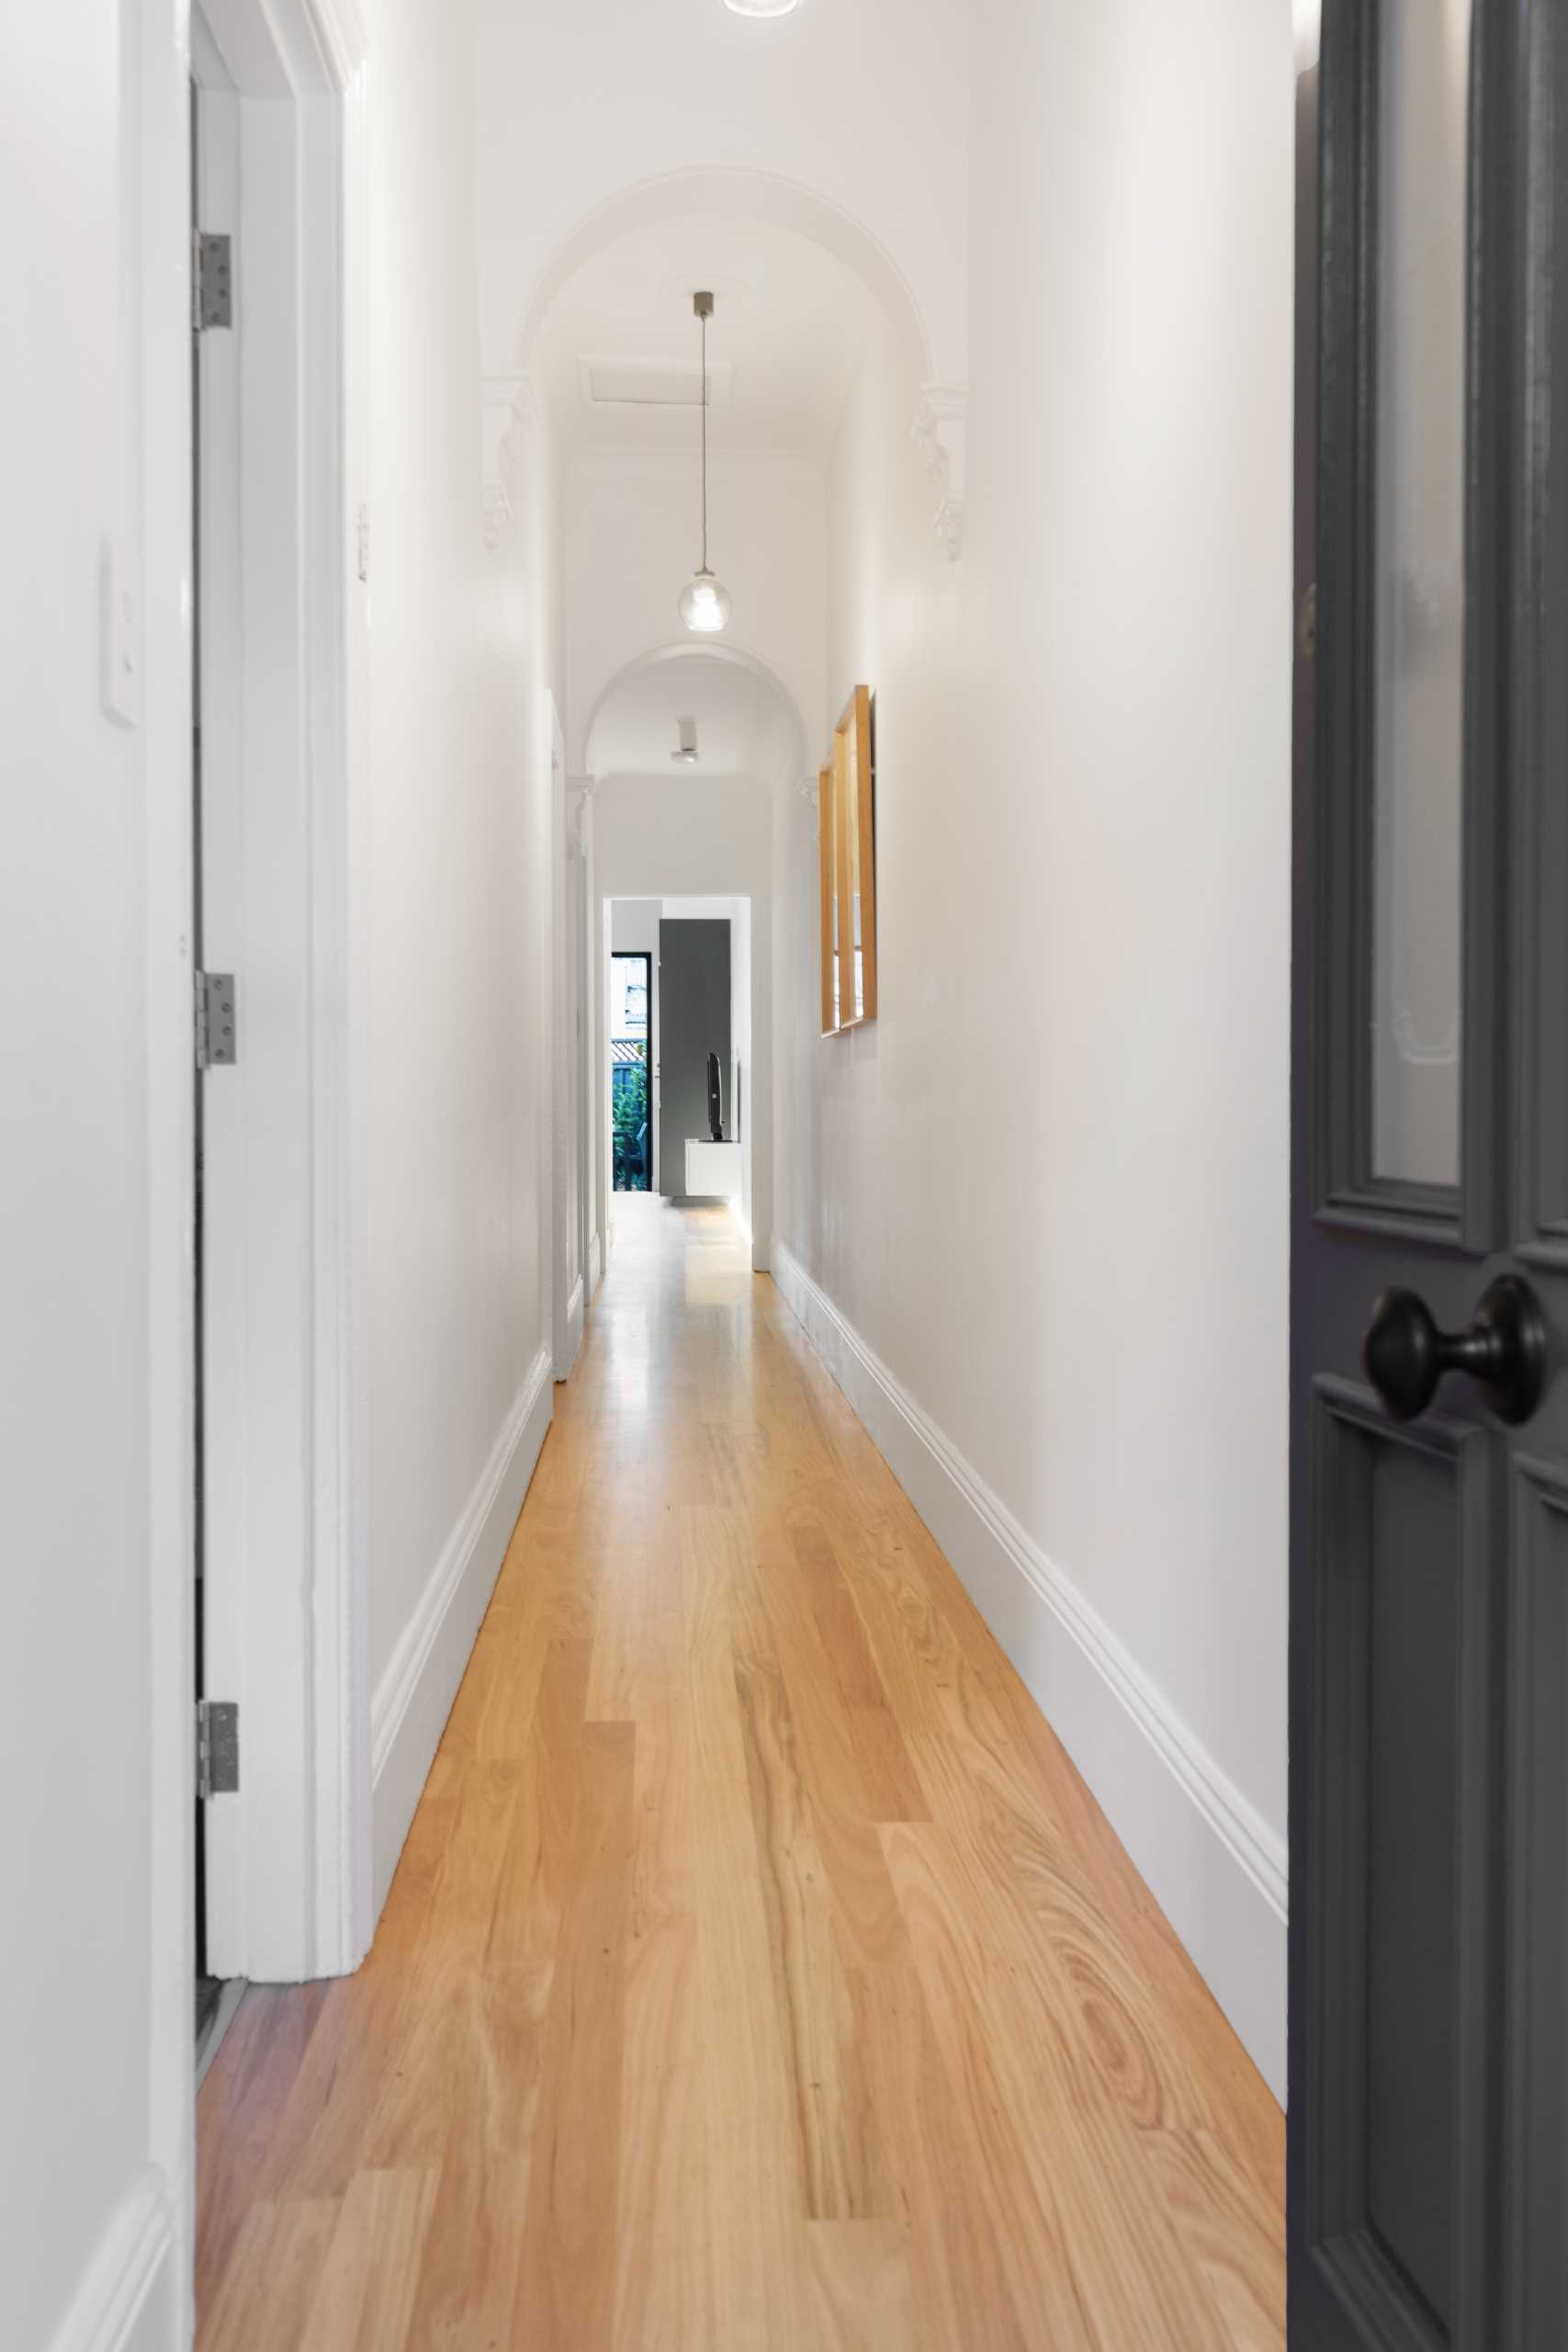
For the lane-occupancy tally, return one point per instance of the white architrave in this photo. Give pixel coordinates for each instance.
(588, 980)
(286, 1598)
(312, 52)
(569, 1288)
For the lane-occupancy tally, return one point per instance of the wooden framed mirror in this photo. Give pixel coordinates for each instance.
(846, 808)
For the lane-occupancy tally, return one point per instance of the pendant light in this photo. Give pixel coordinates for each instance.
(704, 601)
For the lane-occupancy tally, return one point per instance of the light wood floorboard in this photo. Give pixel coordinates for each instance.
(759, 1975)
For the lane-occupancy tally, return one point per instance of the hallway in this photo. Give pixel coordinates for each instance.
(759, 1971)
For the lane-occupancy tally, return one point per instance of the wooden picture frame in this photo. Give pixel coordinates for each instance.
(846, 810)
(828, 868)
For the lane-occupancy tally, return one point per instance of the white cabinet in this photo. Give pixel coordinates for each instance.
(713, 1168)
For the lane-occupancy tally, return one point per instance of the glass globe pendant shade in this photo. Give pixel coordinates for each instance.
(705, 603)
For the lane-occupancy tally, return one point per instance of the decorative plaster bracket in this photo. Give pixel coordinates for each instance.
(941, 431)
(579, 803)
(510, 405)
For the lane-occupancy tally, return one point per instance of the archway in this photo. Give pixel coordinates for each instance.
(721, 653)
(739, 195)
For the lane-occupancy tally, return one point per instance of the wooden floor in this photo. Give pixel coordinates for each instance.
(759, 1974)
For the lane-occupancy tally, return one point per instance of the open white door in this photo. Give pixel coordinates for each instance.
(282, 1623)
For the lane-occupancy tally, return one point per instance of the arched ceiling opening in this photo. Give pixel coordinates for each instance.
(730, 198)
(617, 368)
(747, 728)
(616, 357)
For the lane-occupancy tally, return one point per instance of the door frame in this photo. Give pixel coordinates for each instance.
(289, 1889)
(645, 956)
(570, 998)
(1516, 222)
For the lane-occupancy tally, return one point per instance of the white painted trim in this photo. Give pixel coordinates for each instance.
(125, 2301)
(595, 1262)
(415, 1696)
(289, 1875)
(154, 164)
(567, 1176)
(1215, 1867)
(343, 36)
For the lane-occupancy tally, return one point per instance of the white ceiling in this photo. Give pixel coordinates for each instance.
(787, 331)
(737, 718)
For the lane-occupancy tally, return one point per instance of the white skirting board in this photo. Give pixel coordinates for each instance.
(1214, 1866)
(128, 2301)
(415, 1696)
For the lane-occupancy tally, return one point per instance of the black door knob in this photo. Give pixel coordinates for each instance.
(1504, 1351)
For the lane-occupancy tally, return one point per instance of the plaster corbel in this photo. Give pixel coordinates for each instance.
(579, 809)
(941, 431)
(508, 407)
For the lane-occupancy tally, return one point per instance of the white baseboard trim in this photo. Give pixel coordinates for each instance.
(415, 1696)
(127, 2301)
(568, 1336)
(1214, 1866)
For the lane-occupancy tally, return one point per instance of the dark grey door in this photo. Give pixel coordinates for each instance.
(693, 1022)
(1428, 2119)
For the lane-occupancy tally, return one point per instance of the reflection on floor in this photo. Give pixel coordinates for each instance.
(759, 1973)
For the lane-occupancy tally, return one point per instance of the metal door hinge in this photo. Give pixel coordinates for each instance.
(217, 1749)
(216, 1042)
(212, 281)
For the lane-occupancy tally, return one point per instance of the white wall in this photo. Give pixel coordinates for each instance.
(709, 839)
(462, 645)
(94, 1666)
(1048, 1187)
(629, 525)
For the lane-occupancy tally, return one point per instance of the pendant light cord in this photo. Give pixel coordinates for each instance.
(704, 328)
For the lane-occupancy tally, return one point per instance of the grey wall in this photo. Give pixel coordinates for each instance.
(693, 1021)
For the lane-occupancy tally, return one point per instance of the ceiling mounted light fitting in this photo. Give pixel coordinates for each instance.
(705, 605)
(762, 7)
(686, 729)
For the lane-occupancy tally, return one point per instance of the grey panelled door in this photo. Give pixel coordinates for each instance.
(693, 1022)
(1429, 2125)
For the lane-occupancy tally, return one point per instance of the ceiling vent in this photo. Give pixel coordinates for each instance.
(686, 757)
(652, 383)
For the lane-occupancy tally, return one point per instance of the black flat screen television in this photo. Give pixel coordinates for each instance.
(715, 1099)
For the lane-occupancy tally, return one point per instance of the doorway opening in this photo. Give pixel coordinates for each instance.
(214, 173)
(282, 1852)
(690, 961)
(631, 1070)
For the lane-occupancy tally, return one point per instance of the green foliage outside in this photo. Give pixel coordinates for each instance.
(629, 1117)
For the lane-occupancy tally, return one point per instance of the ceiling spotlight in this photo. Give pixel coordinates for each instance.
(687, 755)
(762, 7)
(705, 605)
